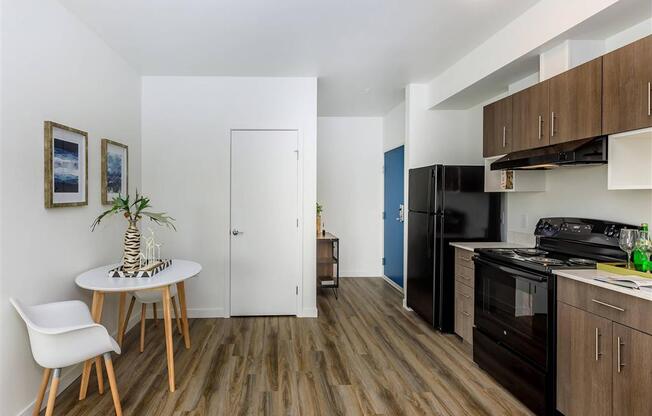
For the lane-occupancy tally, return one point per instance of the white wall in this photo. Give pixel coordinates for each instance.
(394, 128)
(186, 123)
(441, 136)
(54, 68)
(350, 187)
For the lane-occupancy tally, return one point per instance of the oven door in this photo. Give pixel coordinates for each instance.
(511, 306)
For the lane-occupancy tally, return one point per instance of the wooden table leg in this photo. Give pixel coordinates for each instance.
(121, 317)
(96, 313)
(168, 336)
(181, 291)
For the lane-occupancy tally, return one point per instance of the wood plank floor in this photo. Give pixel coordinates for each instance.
(364, 355)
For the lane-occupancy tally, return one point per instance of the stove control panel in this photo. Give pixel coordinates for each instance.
(579, 229)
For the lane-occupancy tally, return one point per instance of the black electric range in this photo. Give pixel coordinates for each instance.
(514, 336)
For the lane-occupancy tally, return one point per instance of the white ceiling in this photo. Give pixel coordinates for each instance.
(363, 51)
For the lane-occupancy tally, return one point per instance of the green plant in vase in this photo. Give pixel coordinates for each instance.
(133, 212)
(320, 209)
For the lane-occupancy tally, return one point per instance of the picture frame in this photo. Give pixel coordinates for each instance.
(65, 166)
(114, 170)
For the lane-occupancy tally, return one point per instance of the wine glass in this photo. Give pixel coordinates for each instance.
(627, 242)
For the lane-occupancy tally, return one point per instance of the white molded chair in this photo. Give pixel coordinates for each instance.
(63, 334)
(151, 297)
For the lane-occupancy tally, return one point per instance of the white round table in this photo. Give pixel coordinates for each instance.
(99, 282)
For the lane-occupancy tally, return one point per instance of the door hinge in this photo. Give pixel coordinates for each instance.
(297, 291)
(383, 261)
(297, 152)
(297, 223)
(383, 214)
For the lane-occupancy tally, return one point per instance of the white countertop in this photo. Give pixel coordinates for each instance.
(588, 276)
(471, 246)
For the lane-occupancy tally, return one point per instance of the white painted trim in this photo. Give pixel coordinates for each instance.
(226, 313)
(206, 313)
(344, 273)
(407, 308)
(392, 283)
(309, 313)
(71, 374)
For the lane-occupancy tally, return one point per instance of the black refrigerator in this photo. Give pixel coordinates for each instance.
(445, 204)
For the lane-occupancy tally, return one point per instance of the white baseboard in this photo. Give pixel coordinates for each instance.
(392, 283)
(206, 313)
(407, 308)
(309, 313)
(345, 273)
(70, 374)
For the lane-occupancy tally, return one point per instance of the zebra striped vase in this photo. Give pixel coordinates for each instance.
(131, 261)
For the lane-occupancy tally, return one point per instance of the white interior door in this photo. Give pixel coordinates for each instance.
(264, 222)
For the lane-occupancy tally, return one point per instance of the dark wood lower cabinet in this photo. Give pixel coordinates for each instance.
(632, 371)
(583, 362)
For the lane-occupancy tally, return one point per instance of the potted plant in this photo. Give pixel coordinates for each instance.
(133, 212)
(320, 208)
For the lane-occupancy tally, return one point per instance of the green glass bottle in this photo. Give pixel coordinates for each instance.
(640, 253)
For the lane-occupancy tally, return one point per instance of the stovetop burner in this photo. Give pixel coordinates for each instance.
(530, 252)
(546, 261)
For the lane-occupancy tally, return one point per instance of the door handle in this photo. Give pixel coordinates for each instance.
(607, 305)
(237, 232)
(597, 345)
(552, 124)
(620, 364)
(649, 98)
(540, 127)
(504, 136)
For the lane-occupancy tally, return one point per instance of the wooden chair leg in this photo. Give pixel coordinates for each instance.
(155, 314)
(126, 322)
(113, 384)
(143, 312)
(41, 391)
(100, 375)
(54, 386)
(176, 315)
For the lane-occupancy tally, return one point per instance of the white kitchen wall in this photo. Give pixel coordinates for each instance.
(394, 128)
(350, 187)
(54, 68)
(441, 136)
(186, 124)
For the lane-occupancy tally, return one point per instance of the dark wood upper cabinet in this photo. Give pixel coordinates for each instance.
(576, 103)
(497, 128)
(530, 117)
(627, 84)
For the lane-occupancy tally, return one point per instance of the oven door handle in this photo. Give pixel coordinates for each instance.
(510, 270)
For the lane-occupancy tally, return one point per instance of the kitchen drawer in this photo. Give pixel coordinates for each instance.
(618, 307)
(464, 256)
(467, 297)
(464, 274)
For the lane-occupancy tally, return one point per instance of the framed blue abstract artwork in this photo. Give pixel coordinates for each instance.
(115, 170)
(66, 166)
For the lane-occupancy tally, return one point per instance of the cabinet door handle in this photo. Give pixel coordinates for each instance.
(540, 127)
(649, 99)
(552, 124)
(607, 305)
(620, 364)
(597, 344)
(504, 134)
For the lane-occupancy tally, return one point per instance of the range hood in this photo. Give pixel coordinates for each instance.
(578, 152)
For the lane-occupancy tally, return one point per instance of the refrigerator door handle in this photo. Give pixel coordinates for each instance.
(428, 212)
